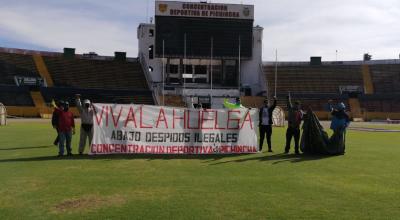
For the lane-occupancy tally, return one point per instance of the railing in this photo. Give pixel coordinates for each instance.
(195, 90)
(3, 115)
(149, 79)
(58, 54)
(263, 80)
(358, 62)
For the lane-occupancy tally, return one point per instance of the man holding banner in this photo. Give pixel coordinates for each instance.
(265, 123)
(86, 113)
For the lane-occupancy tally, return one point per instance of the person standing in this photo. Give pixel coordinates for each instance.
(237, 104)
(265, 123)
(295, 116)
(54, 118)
(66, 128)
(86, 111)
(340, 122)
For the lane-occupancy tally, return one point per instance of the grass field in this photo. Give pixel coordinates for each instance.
(34, 184)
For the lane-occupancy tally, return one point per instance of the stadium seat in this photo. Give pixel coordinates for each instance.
(98, 95)
(386, 78)
(103, 74)
(12, 95)
(12, 65)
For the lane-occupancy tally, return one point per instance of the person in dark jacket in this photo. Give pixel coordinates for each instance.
(295, 115)
(265, 123)
(54, 119)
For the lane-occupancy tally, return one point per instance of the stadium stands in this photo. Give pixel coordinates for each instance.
(317, 102)
(11, 65)
(324, 79)
(386, 78)
(111, 81)
(380, 103)
(98, 95)
(87, 73)
(22, 61)
(11, 95)
(106, 81)
(368, 84)
(42, 69)
(313, 85)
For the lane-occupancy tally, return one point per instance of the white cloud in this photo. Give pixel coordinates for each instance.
(56, 28)
(298, 29)
(318, 28)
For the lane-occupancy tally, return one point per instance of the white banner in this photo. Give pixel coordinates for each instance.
(204, 10)
(144, 129)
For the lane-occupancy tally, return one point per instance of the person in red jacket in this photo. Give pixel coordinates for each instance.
(66, 128)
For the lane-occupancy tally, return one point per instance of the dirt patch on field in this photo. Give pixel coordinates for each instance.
(88, 203)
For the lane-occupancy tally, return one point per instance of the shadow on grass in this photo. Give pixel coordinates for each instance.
(210, 159)
(122, 157)
(25, 148)
(277, 158)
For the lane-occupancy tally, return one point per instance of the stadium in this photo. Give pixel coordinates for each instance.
(196, 55)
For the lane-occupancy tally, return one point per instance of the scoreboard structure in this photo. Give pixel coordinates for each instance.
(190, 29)
(202, 51)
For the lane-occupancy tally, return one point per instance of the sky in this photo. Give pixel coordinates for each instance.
(297, 29)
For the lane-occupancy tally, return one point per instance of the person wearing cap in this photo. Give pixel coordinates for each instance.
(265, 123)
(295, 115)
(86, 111)
(66, 128)
(340, 119)
(340, 122)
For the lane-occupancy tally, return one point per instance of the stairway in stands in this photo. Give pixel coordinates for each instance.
(40, 104)
(42, 69)
(368, 85)
(355, 107)
(37, 97)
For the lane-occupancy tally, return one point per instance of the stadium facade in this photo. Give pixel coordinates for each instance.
(203, 52)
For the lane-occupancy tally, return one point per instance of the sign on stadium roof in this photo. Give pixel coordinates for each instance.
(204, 10)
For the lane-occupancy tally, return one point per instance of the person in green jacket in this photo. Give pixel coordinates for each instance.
(230, 105)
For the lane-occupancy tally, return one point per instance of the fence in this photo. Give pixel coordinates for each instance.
(3, 115)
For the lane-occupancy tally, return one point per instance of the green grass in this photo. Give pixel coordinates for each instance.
(34, 184)
(376, 125)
